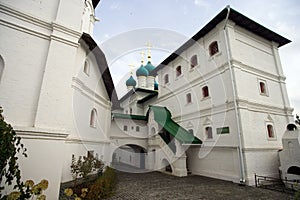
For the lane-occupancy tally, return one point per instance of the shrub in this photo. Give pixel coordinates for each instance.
(84, 166)
(297, 195)
(103, 187)
(10, 146)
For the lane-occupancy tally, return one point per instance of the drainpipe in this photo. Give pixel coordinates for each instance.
(238, 121)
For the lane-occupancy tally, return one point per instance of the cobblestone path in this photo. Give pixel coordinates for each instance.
(156, 185)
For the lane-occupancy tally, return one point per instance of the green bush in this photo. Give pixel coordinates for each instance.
(103, 187)
(10, 147)
(297, 195)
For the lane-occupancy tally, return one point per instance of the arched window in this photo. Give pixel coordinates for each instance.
(166, 78)
(93, 118)
(205, 92)
(262, 87)
(191, 131)
(213, 48)
(270, 131)
(188, 98)
(1, 67)
(194, 61)
(137, 129)
(130, 110)
(86, 67)
(153, 131)
(208, 132)
(178, 71)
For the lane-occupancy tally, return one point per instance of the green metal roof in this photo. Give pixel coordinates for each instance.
(131, 81)
(146, 98)
(149, 66)
(142, 71)
(163, 117)
(126, 116)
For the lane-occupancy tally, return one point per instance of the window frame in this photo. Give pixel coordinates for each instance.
(178, 71)
(166, 79)
(213, 48)
(188, 98)
(86, 67)
(194, 61)
(205, 92)
(93, 118)
(209, 135)
(125, 128)
(262, 85)
(2, 66)
(271, 135)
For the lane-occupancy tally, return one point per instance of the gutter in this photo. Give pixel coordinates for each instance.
(237, 114)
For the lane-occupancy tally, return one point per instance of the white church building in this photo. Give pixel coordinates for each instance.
(216, 107)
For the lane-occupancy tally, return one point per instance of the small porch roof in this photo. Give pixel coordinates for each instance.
(163, 117)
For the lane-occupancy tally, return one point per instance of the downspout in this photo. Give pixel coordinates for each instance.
(238, 121)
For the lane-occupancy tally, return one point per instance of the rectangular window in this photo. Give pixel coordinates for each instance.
(125, 128)
(262, 88)
(188, 98)
(213, 48)
(208, 132)
(194, 61)
(178, 71)
(205, 92)
(166, 78)
(137, 128)
(270, 131)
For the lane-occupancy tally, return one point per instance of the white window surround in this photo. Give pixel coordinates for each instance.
(188, 96)
(202, 92)
(269, 121)
(86, 67)
(206, 135)
(259, 83)
(1, 67)
(93, 118)
(274, 138)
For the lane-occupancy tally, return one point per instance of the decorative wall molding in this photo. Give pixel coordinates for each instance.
(78, 85)
(38, 27)
(78, 140)
(40, 134)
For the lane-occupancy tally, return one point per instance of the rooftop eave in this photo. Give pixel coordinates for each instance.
(91, 46)
(240, 20)
(95, 3)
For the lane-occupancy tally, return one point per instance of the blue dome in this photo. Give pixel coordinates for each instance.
(131, 82)
(142, 71)
(149, 67)
(155, 85)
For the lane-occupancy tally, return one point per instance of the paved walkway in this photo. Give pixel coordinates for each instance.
(156, 185)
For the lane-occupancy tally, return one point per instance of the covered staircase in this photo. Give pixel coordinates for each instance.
(173, 140)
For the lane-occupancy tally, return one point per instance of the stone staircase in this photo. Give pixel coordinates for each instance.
(175, 156)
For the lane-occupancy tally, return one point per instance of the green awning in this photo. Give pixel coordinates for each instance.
(126, 116)
(163, 117)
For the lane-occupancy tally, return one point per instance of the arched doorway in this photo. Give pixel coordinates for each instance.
(294, 170)
(166, 166)
(129, 158)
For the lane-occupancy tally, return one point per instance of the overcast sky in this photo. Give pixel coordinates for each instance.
(126, 26)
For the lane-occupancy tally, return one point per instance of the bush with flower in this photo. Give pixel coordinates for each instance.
(10, 148)
(34, 191)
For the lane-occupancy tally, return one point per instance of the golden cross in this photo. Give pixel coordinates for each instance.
(142, 56)
(131, 68)
(149, 45)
